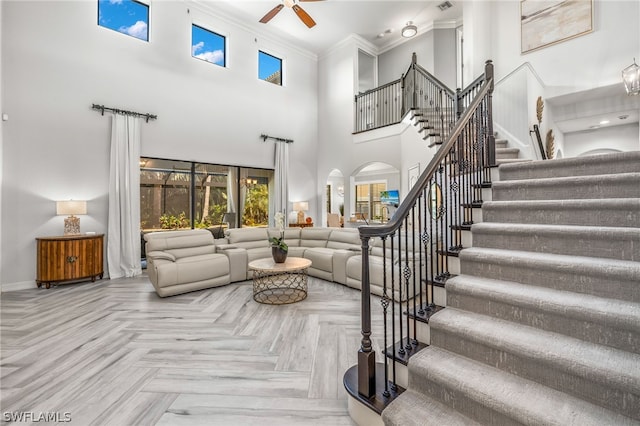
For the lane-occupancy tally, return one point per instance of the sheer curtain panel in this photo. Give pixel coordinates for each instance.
(123, 243)
(281, 193)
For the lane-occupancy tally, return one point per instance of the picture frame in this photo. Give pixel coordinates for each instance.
(412, 176)
(545, 23)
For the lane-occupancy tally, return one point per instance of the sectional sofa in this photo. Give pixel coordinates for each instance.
(183, 261)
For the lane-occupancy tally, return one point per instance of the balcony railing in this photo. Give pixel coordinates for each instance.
(411, 255)
(432, 103)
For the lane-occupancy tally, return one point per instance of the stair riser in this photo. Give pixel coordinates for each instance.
(562, 214)
(598, 244)
(609, 283)
(596, 332)
(596, 165)
(551, 190)
(544, 371)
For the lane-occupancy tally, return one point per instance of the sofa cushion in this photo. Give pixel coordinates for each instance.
(321, 258)
(291, 236)
(314, 237)
(348, 239)
(248, 237)
(191, 269)
(178, 244)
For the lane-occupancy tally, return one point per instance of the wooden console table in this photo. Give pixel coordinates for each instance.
(301, 225)
(69, 258)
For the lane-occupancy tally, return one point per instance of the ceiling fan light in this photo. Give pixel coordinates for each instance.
(409, 30)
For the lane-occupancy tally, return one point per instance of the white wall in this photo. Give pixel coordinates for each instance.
(59, 62)
(613, 138)
(585, 62)
(393, 63)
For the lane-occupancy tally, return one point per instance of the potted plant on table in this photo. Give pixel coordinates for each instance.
(279, 249)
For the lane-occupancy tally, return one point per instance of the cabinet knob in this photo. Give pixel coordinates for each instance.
(72, 259)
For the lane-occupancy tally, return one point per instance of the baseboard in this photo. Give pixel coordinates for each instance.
(20, 285)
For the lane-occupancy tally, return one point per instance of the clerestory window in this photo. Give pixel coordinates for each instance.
(269, 68)
(208, 45)
(125, 16)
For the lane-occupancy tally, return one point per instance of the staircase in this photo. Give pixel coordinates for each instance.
(542, 326)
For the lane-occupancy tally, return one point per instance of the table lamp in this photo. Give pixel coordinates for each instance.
(71, 208)
(301, 207)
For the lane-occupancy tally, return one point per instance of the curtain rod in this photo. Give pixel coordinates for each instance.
(103, 108)
(265, 137)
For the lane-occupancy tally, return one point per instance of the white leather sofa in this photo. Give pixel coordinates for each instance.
(183, 261)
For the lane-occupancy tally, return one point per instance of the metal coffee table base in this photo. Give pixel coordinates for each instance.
(279, 289)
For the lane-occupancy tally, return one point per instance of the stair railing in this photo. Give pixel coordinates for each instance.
(410, 255)
(417, 92)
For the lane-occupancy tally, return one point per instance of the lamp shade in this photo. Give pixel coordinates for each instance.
(631, 78)
(71, 207)
(301, 206)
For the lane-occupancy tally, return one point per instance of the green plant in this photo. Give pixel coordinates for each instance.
(168, 221)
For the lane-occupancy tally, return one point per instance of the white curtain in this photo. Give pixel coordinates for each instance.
(123, 242)
(281, 193)
(232, 184)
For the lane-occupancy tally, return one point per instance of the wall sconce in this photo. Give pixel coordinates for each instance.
(247, 182)
(71, 208)
(301, 207)
(409, 30)
(631, 78)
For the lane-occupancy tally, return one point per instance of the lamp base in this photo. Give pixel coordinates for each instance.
(72, 225)
(301, 216)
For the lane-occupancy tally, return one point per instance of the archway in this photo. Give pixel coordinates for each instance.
(375, 189)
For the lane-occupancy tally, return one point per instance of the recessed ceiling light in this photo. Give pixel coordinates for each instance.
(595, 126)
(604, 122)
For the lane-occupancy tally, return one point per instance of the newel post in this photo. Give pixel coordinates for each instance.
(491, 141)
(366, 355)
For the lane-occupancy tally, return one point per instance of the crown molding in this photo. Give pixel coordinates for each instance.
(208, 9)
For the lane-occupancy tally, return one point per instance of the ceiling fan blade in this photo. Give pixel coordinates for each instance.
(273, 12)
(304, 16)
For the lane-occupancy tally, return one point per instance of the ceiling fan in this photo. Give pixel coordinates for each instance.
(293, 4)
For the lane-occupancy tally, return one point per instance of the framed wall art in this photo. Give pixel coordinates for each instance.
(547, 22)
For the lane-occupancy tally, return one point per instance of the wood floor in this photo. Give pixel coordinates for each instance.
(114, 353)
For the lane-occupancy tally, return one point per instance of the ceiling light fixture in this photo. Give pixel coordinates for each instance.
(409, 30)
(631, 78)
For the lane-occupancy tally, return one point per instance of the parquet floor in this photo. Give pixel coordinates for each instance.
(114, 353)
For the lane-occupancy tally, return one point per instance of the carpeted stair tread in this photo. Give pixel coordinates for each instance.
(502, 153)
(417, 409)
(622, 212)
(610, 278)
(611, 322)
(492, 396)
(564, 363)
(591, 241)
(623, 185)
(623, 162)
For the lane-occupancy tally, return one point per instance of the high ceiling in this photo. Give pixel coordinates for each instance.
(337, 19)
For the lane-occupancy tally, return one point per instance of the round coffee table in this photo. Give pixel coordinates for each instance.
(279, 283)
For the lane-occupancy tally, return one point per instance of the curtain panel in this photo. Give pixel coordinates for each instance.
(123, 242)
